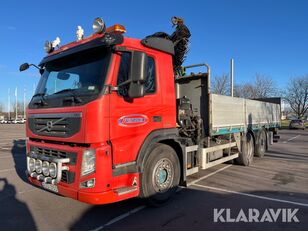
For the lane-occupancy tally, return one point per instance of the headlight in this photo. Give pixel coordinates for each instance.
(38, 166)
(32, 165)
(88, 162)
(53, 170)
(45, 168)
(98, 26)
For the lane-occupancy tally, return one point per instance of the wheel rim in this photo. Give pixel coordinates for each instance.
(163, 174)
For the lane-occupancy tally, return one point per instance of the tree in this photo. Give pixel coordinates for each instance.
(262, 87)
(221, 85)
(297, 95)
(1, 109)
(244, 91)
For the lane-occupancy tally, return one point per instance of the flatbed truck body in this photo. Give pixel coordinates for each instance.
(110, 120)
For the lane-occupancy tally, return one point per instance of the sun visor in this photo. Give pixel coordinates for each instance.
(160, 44)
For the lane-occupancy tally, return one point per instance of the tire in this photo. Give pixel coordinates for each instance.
(261, 144)
(161, 175)
(246, 155)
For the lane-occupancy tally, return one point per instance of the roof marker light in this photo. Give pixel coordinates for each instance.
(116, 28)
(56, 42)
(79, 33)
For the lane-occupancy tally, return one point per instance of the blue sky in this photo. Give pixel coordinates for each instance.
(263, 36)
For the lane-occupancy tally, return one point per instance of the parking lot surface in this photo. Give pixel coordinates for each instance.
(277, 181)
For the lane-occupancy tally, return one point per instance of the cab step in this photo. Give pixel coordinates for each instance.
(125, 190)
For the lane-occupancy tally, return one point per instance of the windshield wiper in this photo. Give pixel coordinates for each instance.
(42, 100)
(65, 90)
(74, 98)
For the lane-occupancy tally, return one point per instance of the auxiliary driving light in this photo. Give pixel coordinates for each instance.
(45, 168)
(32, 165)
(48, 47)
(98, 26)
(88, 184)
(53, 170)
(38, 166)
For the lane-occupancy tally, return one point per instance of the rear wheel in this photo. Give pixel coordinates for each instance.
(161, 175)
(246, 155)
(261, 144)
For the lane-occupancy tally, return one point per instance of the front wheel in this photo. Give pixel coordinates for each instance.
(161, 175)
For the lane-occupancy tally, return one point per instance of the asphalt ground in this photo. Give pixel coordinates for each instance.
(279, 182)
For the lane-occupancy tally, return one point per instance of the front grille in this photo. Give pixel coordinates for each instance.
(56, 125)
(55, 153)
(51, 153)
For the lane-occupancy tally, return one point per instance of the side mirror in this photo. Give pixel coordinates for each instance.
(24, 66)
(138, 74)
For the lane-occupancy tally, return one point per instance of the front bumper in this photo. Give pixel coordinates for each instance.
(106, 189)
(89, 197)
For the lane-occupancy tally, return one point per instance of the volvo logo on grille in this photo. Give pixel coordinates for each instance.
(50, 124)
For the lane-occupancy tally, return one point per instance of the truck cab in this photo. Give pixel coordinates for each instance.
(97, 102)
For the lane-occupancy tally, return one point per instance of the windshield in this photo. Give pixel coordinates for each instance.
(82, 73)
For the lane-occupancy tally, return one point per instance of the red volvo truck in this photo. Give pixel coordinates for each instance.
(110, 120)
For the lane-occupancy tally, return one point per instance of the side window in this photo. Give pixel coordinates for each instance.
(123, 74)
(150, 83)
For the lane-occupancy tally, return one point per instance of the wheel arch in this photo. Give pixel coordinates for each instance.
(164, 136)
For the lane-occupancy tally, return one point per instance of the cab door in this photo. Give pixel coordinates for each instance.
(132, 119)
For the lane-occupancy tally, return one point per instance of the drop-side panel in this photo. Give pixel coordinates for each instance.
(232, 114)
(262, 113)
(228, 114)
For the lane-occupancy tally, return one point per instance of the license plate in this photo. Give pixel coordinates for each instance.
(50, 187)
